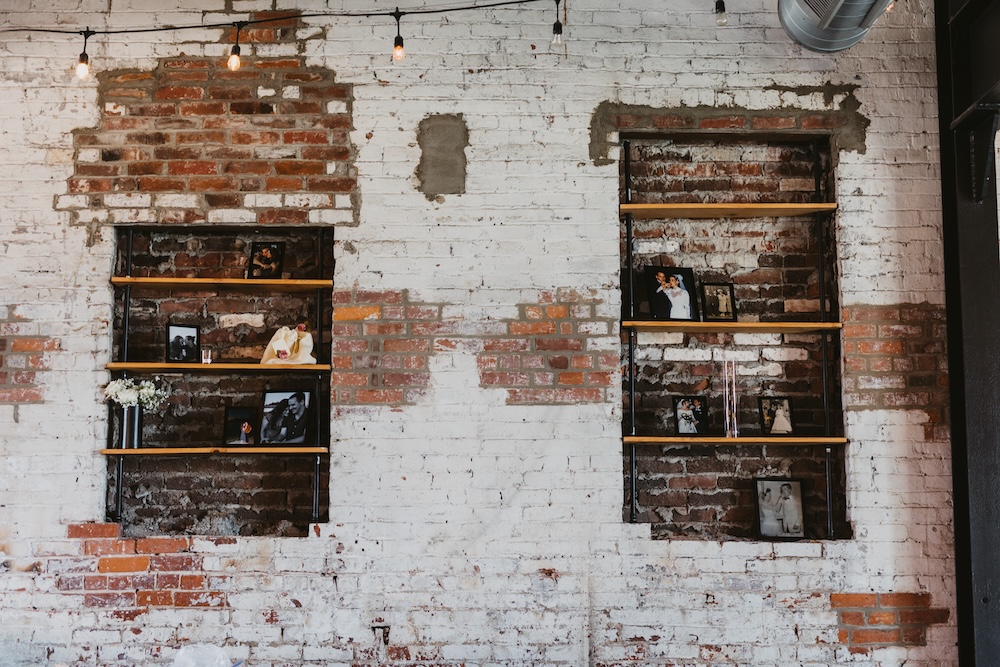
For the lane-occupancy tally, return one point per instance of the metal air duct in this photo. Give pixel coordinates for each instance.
(829, 25)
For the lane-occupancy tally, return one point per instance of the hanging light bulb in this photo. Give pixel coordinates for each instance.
(397, 45)
(557, 39)
(721, 18)
(234, 55)
(83, 64)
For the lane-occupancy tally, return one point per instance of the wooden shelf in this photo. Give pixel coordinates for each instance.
(163, 367)
(253, 284)
(683, 326)
(787, 441)
(235, 450)
(696, 210)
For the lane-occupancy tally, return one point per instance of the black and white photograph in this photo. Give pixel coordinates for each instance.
(286, 418)
(718, 302)
(775, 416)
(671, 293)
(779, 508)
(240, 427)
(266, 259)
(183, 344)
(690, 415)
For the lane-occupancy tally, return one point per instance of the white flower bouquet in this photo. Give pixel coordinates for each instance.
(128, 394)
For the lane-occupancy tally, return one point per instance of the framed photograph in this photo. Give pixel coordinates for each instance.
(266, 259)
(183, 344)
(690, 415)
(287, 418)
(671, 293)
(240, 427)
(718, 302)
(779, 508)
(775, 416)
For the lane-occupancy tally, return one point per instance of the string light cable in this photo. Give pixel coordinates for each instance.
(83, 64)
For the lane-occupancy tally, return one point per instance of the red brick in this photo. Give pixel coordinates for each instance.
(180, 93)
(286, 63)
(923, 616)
(155, 599)
(255, 138)
(406, 345)
(193, 167)
(504, 379)
(93, 530)
(506, 345)
(283, 184)
(305, 137)
(201, 108)
(573, 378)
(882, 618)
(379, 396)
(193, 582)
(869, 636)
(905, 599)
(299, 167)
(558, 344)
(162, 545)
(123, 564)
(532, 328)
(855, 600)
(724, 122)
(774, 123)
(349, 379)
(852, 618)
(329, 184)
(822, 122)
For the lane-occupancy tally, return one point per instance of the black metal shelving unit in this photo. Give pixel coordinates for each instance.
(826, 326)
(124, 367)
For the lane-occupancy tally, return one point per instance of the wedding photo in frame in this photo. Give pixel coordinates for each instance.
(240, 426)
(671, 294)
(266, 259)
(779, 508)
(287, 418)
(718, 302)
(690, 415)
(183, 344)
(775, 415)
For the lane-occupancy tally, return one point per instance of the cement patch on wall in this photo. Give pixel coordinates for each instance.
(443, 140)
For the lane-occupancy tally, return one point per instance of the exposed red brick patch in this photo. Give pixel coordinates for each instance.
(895, 357)
(550, 353)
(872, 620)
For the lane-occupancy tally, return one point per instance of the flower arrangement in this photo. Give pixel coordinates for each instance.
(127, 393)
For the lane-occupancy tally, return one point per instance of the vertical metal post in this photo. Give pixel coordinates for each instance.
(316, 472)
(829, 493)
(630, 361)
(120, 474)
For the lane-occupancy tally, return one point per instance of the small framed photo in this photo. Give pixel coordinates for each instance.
(779, 508)
(690, 415)
(671, 294)
(718, 302)
(775, 416)
(287, 418)
(266, 259)
(183, 344)
(240, 427)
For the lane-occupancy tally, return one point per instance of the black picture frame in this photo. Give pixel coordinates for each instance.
(282, 422)
(718, 302)
(775, 415)
(779, 506)
(267, 259)
(670, 293)
(240, 427)
(183, 344)
(690, 415)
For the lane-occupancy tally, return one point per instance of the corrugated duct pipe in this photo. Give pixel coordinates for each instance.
(829, 25)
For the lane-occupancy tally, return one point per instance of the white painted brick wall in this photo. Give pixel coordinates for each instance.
(449, 511)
